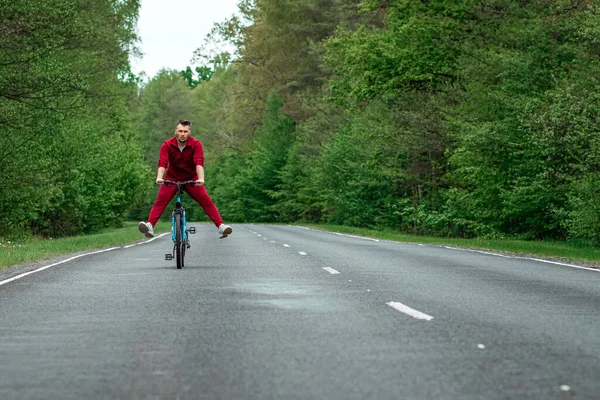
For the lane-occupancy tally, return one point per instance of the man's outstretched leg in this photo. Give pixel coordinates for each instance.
(200, 195)
(165, 194)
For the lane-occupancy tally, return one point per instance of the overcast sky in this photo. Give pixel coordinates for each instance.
(170, 31)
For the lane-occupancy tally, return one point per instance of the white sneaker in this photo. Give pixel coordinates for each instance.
(224, 231)
(146, 229)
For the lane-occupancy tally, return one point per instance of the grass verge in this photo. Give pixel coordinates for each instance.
(12, 253)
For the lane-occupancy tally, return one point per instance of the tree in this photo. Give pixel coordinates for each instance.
(65, 80)
(256, 176)
(204, 75)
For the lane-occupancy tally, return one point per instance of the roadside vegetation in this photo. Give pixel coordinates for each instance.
(452, 119)
(474, 121)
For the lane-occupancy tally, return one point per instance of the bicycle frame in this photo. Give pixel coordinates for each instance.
(180, 244)
(181, 211)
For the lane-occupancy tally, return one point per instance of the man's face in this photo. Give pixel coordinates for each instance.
(182, 133)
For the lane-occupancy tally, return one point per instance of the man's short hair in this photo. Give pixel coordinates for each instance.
(185, 122)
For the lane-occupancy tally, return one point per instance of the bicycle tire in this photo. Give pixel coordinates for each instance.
(178, 241)
(182, 252)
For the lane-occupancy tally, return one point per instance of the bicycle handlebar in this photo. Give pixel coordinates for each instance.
(178, 183)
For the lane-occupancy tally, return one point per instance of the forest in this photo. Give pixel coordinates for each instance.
(453, 118)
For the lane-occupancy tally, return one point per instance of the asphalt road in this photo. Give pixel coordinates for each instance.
(281, 312)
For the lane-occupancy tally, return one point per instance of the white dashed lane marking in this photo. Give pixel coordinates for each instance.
(331, 270)
(409, 311)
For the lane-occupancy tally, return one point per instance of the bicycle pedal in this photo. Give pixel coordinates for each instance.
(168, 257)
(192, 230)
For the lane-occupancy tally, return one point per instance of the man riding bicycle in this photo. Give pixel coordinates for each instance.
(182, 159)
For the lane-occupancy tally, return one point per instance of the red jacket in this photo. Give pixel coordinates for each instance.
(181, 164)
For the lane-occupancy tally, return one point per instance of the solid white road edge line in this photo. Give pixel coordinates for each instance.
(409, 311)
(525, 258)
(155, 237)
(491, 254)
(355, 237)
(478, 251)
(331, 270)
(301, 227)
(14, 278)
(559, 263)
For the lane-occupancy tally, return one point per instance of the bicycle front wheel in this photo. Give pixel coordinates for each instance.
(182, 251)
(179, 250)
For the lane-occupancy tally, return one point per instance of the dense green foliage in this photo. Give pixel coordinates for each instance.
(447, 117)
(462, 118)
(68, 159)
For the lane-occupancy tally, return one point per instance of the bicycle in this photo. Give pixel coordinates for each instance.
(179, 230)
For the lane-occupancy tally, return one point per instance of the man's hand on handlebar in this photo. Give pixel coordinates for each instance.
(200, 182)
(160, 181)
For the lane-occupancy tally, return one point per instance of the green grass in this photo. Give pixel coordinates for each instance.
(12, 253)
(580, 252)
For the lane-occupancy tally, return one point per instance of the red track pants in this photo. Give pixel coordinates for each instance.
(198, 193)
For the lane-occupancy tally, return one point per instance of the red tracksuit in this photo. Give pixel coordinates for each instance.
(181, 166)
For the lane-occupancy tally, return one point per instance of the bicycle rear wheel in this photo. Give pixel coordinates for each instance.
(179, 250)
